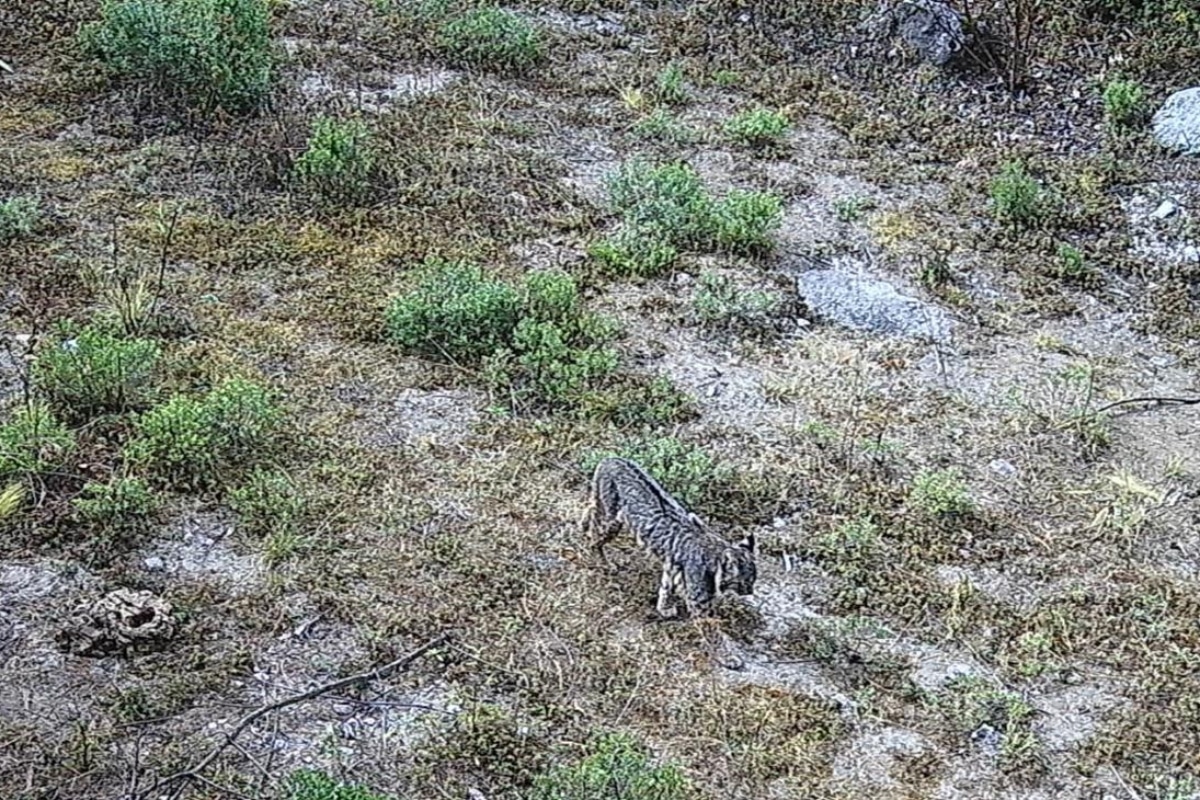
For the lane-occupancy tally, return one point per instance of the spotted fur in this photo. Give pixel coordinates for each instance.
(697, 564)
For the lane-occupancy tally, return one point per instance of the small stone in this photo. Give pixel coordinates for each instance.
(1003, 468)
(343, 709)
(154, 564)
(1165, 209)
(682, 279)
(1191, 253)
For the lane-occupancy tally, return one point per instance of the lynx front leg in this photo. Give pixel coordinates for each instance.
(666, 587)
(604, 530)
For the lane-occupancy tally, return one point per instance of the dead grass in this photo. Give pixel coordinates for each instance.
(416, 522)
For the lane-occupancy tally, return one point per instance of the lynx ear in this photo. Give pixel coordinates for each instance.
(747, 543)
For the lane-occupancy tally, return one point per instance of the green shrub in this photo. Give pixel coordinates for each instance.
(93, 371)
(310, 784)
(191, 442)
(208, 53)
(719, 303)
(616, 768)
(669, 198)
(1017, 199)
(669, 86)
(662, 124)
(337, 161)
(546, 363)
(267, 502)
(850, 209)
(744, 221)
(666, 207)
(1071, 264)
(33, 442)
(557, 352)
(124, 505)
(455, 313)
(635, 251)
(19, 216)
(757, 127)
(684, 470)
(492, 38)
(939, 492)
(535, 341)
(726, 78)
(1124, 104)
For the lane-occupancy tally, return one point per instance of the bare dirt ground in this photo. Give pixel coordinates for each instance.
(1041, 641)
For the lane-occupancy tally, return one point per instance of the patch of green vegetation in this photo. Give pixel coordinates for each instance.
(19, 216)
(971, 704)
(85, 372)
(661, 123)
(208, 53)
(940, 492)
(666, 207)
(33, 442)
(726, 78)
(642, 251)
(617, 767)
(669, 86)
(669, 198)
(719, 303)
(1124, 104)
(124, 506)
(934, 272)
(309, 784)
(745, 221)
(535, 342)
(853, 551)
(193, 442)
(491, 38)
(851, 209)
(1018, 199)
(757, 127)
(685, 470)
(456, 313)
(632, 401)
(267, 503)
(1071, 264)
(337, 162)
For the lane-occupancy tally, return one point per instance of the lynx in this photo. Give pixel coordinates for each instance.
(697, 564)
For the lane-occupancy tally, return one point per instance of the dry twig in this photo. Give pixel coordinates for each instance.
(194, 772)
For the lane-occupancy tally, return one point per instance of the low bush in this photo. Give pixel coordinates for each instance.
(193, 442)
(491, 38)
(337, 162)
(207, 53)
(19, 216)
(616, 767)
(33, 443)
(534, 341)
(90, 371)
(757, 127)
(123, 506)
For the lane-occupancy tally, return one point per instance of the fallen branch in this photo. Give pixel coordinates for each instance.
(1158, 401)
(193, 773)
(4, 66)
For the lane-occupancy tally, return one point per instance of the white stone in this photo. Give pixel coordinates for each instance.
(1177, 123)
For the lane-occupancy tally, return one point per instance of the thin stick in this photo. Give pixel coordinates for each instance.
(1183, 401)
(193, 773)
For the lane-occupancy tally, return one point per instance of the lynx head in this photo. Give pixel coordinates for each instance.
(738, 572)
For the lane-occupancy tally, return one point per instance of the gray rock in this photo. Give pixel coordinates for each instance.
(1177, 123)
(931, 27)
(154, 564)
(1165, 209)
(1002, 468)
(867, 304)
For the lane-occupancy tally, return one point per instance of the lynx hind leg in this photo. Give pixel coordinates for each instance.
(666, 587)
